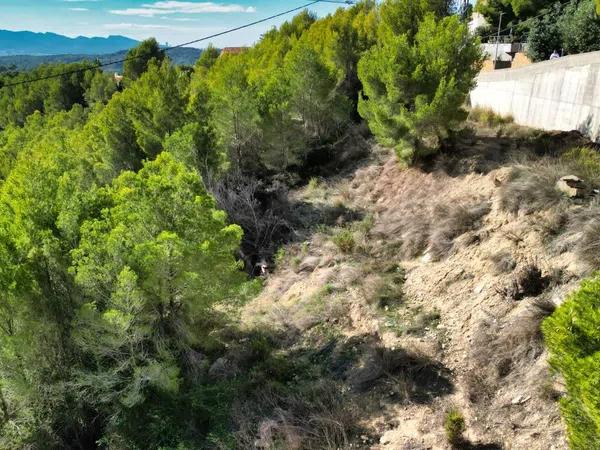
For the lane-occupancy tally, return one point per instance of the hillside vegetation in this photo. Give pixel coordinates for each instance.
(301, 246)
(179, 56)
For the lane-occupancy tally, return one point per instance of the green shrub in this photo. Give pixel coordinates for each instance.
(572, 336)
(488, 117)
(313, 184)
(586, 160)
(455, 426)
(345, 241)
(280, 257)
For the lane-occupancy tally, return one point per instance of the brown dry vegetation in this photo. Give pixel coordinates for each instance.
(419, 291)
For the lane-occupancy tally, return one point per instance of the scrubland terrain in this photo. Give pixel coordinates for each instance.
(413, 292)
(310, 243)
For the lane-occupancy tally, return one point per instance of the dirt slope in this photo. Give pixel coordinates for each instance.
(434, 293)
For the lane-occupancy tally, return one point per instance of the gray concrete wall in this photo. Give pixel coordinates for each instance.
(563, 94)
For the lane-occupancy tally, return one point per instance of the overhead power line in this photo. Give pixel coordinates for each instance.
(195, 41)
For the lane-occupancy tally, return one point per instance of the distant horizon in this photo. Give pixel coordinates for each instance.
(93, 37)
(170, 23)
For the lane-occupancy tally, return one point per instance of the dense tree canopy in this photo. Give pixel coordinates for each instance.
(138, 58)
(49, 95)
(571, 28)
(149, 268)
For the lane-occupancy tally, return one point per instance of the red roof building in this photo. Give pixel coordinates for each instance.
(233, 50)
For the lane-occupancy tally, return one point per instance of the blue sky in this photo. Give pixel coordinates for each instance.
(167, 20)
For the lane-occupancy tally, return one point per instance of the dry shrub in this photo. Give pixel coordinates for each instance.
(532, 187)
(498, 350)
(451, 221)
(260, 210)
(488, 117)
(315, 415)
(503, 262)
(582, 234)
(436, 229)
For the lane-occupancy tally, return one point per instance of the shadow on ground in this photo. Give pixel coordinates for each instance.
(471, 151)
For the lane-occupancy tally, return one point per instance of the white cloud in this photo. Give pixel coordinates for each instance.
(78, 9)
(177, 7)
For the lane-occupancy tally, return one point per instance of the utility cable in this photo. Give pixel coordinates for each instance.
(205, 38)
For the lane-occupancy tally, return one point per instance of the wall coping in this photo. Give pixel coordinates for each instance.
(566, 62)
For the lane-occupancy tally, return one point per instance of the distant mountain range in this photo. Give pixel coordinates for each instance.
(26, 50)
(29, 43)
(179, 56)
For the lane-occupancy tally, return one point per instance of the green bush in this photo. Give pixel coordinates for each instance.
(586, 160)
(455, 426)
(345, 241)
(488, 117)
(572, 335)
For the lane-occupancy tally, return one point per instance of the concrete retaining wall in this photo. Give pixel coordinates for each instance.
(563, 94)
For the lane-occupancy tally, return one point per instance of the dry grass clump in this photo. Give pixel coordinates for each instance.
(387, 291)
(503, 262)
(498, 350)
(521, 341)
(582, 235)
(415, 233)
(434, 230)
(451, 221)
(488, 117)
(316, 415)
(532, 187)
(421, 322)
(412, 375)
(526, 282)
